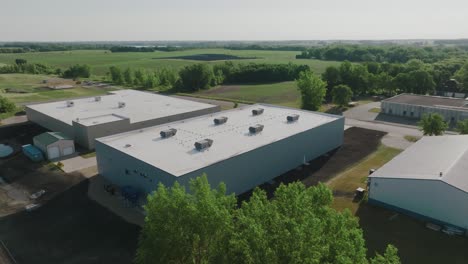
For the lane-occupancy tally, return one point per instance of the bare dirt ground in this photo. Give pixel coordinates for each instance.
(70, 228)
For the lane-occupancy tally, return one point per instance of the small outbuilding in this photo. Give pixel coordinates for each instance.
(54, 144)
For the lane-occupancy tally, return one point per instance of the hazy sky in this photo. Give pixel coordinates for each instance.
(66, 20)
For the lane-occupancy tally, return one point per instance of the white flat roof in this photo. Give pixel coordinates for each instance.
(429, 157)
(178, 156)
(139, 106)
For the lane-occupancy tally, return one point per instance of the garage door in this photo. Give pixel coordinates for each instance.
(53, 152)
(68, 151)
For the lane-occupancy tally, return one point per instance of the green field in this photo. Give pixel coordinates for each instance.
(284, 93)
(101, 60)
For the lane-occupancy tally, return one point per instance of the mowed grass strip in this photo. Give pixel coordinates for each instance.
(283, 93)
(55, 94)
(354, 177)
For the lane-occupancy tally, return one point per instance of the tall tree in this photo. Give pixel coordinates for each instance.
(312, 89)
(390, 256)
(342, 95)
(116, 75)
(206, 226)
(195, 77)
(187, 227)
(432, 124)
(128, 77)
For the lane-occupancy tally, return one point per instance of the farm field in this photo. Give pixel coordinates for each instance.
(101, 60)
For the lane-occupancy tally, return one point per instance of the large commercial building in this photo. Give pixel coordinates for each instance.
(242, 147)
(415, 106)
(428, 180)
(124, 110)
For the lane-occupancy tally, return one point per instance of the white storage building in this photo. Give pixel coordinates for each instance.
(124, 110)
(428, 180)
(242, 147)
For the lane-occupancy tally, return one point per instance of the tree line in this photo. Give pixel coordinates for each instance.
(391, 54)
(202, 76)
(206, 225)
(414, 76)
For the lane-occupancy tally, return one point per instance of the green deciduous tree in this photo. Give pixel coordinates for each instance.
(76, 71)
(342, 95)
(116, 75)
(206, 226)
(462, 76)
(140, 77)
(462, 127)
(432, 125)
(128, 77)
(187, 227)
(390, 256)
(312, 89)
(6, 105)
(195, 77)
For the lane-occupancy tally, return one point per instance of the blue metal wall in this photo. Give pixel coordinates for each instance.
(240, 173)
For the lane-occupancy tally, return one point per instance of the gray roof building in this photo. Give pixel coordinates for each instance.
(428, 180)
(88, 118)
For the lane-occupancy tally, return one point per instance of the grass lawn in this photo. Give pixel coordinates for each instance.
(101, 60)
(346, 182)
(33, 89)
(284, 93)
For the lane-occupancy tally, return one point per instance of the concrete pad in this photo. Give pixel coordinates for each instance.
(78, 163)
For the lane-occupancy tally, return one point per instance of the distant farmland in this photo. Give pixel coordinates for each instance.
(208, 57)
(101, 60)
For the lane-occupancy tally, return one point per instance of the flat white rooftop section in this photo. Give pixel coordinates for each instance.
(139, 106)
(178, 156)
(429, 157)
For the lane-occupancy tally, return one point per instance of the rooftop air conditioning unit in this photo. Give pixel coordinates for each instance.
(70, 103)
(256, 129)
(168, 133)
(121, 104)
(257, 111)
(220, 120)
(203, 144)
(97, 98)
(292, 118)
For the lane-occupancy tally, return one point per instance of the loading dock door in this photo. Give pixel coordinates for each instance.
(68, 151)
(53, 152)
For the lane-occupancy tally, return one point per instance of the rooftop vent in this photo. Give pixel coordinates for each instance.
(203, 144)
(97, 98)
(256, 129)
(70, 103)
(257, 111)
(127, 145)
(168, 133)
(292, 118)
(220, 120)
(121, 104)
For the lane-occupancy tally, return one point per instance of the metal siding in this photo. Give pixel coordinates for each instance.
(398, 109)
(431, 198)
(240, 173)
(49, 122)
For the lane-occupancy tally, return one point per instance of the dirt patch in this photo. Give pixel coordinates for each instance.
(70, 228)
(207, 57)
(358, 144)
